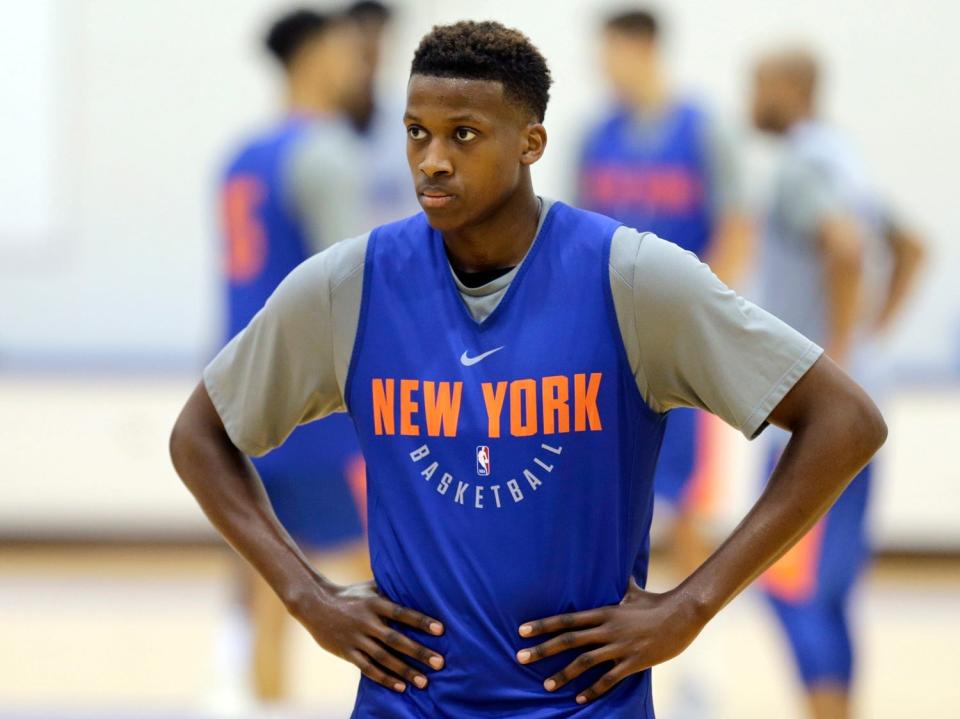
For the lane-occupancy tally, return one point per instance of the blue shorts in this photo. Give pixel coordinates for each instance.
(315, 483)
(679, 456)
(810, 588)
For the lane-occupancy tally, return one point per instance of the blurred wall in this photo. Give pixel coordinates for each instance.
(116, 115)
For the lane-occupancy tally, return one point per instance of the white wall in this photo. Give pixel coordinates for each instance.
(127, 107)
(115, 115)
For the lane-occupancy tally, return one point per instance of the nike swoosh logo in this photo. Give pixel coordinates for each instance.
(470, 361)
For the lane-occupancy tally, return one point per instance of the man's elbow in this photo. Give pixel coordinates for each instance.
(870, 427)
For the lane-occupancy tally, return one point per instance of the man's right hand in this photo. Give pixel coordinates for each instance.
(353, 622)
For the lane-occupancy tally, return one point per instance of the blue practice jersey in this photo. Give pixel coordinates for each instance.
(509, 464)
(265, 240)
(307, 478)
(654, 179)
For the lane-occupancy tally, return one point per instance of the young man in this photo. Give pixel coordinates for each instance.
(288, 193)
(660, 163)
(837, 268)
(386, 179)
(507, 362)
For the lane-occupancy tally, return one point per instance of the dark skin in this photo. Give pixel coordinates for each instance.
(471, 143)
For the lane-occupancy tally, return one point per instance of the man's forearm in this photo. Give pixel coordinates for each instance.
(231, 494)
(843, 271)
(827, 448)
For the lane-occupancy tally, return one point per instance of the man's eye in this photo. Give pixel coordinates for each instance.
(465, 134)
(415, 133)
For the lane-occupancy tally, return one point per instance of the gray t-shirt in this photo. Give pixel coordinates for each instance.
(819, 177)
(324, 185)
(689, 339)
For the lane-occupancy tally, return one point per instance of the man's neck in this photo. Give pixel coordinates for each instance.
(500, 240)
(652, 95)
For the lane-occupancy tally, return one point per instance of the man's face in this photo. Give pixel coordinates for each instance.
(626, 58)
(771, 99)
(466, 146)
(335, 59)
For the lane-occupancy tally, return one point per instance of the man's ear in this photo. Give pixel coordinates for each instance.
(535, 142)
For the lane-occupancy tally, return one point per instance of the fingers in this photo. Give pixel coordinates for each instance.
(381, 656)
(412, 618)
(372, 671)
(563, 622)
(604, 684)
(561, 643)
(403, 644)
(578, 666)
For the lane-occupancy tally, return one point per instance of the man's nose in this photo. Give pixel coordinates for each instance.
(435, 162)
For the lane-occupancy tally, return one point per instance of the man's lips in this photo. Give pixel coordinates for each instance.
(432, 198)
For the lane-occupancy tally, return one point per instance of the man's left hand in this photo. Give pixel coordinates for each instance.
(643, 630)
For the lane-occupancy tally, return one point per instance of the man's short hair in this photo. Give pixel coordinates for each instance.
(369, 11)
(634, 21)
(291, 31)
(487, 51)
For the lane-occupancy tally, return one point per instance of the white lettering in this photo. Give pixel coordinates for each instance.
(496, 493)
(428, 472)
(419, 453)
(547, 467)
(514, 490)
(555, 450)
(478, 499)
(444, 483)
(461, 488)
(532, 479)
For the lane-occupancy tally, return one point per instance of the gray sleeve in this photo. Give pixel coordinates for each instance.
(693, 342)
(324, 185)
(287, 366)
(725, 186)
(811, 193)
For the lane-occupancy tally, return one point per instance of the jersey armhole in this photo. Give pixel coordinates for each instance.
(362, 318)
(614, 326)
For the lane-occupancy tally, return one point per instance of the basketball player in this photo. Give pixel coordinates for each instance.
(288, 193)
(386, 195)
(838, 267)
(551, 341)
(660, 163)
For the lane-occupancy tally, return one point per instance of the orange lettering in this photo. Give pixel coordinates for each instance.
(408, 407)
(585, 401)
(493, 399)
(441, 409)
(383, 406)
(525, 424)
(556, 412)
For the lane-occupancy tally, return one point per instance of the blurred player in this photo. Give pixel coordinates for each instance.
(660, 162)
(838, 267)
(386, 176)
(497, 331)
(290, 192)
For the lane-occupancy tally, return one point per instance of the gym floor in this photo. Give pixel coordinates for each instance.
(96, 632)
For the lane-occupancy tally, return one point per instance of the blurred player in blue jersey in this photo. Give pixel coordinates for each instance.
(386, 177)
(660, 162)
(289, 192)
(837, 266)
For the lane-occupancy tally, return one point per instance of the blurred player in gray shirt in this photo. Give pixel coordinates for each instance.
(837, 266)
(289, 191)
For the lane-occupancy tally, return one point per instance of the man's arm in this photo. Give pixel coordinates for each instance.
(835, 429)
(731, 242)
(841, 251)
(351, 622)
(908, 251)
(731, 247)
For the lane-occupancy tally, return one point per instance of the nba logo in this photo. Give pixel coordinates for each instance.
(483, 460)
